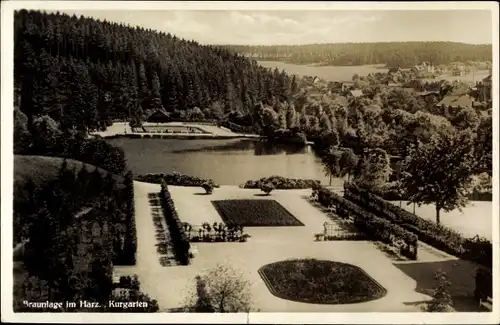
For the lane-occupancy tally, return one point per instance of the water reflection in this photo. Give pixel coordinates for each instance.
(228, 162)
(259, 147)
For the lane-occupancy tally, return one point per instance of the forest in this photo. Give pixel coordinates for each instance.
(402, 54)
(83, 72)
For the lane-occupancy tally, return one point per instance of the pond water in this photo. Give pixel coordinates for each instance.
(226, 161)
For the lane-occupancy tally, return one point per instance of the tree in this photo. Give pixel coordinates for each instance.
(21, 133)
(331, 162)
(440, 172)
(348, 162)
(45, 134)
(221, 290)
(441, 301)
(374, 169)
(466, 118)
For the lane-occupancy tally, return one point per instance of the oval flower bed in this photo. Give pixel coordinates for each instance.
(320, 282)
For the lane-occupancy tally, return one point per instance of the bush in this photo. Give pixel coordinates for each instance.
(208, 187)
(179, 237)
(441, 301)
(267, 188)
(484, 284)
(175, 179)
(367, 222)
(438, 236)
(282, 183)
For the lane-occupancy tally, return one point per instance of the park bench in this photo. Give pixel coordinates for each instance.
(486, 303)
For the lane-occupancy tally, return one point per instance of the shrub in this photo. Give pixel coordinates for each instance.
(484, 284)
(267, 188)
(179, 237)
(175, 179)
(367, 222)
(208, 187)
(443, 238)
(221, 290)
(282, 183)
(441, 301)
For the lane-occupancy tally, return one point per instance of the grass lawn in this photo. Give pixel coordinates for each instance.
(255, 213)
(42, 169)
(320, 282)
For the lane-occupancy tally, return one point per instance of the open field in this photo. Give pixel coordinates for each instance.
(329, 73)
(475, 218)
(42, 168)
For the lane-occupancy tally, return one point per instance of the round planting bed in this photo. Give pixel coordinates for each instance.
(320, 282)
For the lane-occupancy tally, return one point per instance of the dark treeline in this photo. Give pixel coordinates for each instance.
(404, 54)
(72, 230)
(83, 71)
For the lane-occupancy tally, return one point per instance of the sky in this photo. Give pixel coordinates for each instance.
(306, 27)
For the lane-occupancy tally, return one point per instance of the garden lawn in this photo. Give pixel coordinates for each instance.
(255, 213)
(320, 282)
(475, 218)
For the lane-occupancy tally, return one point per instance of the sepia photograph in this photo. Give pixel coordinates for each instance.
(250, 162)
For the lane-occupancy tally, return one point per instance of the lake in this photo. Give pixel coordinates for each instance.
(226, 161)
(235, 161)
(328, 73)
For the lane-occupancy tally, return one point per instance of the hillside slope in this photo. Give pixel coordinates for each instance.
(41, 169)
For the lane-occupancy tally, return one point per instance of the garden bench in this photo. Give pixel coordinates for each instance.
(331, 209)
(486, 303)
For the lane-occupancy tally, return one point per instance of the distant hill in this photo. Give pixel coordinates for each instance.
(403, 54)
(41, 169)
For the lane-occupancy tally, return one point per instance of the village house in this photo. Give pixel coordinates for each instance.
(159, 116)
(424, 67)
(484, 89)
(458, 71)
(355, 94)
(450, 105)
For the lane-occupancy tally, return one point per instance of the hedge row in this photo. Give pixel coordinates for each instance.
(175, 179)
(178, 235)
(130, 247)
(283, 183)
(440, 237)
(370, 224)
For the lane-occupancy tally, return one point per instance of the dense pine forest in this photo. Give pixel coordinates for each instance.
(83, 72)
(403, 54)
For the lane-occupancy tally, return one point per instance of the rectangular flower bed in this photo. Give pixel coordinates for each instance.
(255, 213)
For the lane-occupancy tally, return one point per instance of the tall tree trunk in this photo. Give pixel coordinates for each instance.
(330, 180)
(413, 207)
(438, 220)
(348, 177)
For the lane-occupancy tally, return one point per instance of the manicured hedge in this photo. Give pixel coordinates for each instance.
(283, 183)
(175, 179)
(438, 236)
(369, 223)
(179, 237)
(130, 245)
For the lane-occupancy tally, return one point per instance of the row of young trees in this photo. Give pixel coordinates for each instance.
(73, 228)
(84, 71)
(404, 54)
